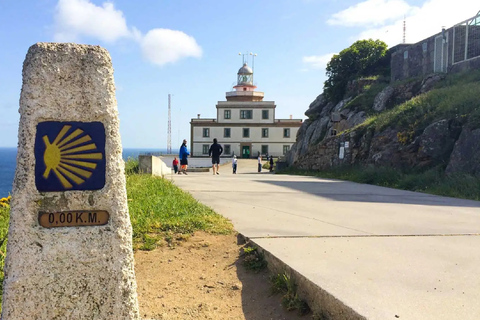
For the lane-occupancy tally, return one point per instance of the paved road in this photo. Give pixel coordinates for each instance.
(384, 253)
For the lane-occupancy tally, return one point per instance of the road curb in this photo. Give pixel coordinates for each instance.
(323, 304)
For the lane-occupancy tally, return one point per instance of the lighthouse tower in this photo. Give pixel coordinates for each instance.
(244, 89)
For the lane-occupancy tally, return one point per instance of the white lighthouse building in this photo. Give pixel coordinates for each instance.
(245, 124)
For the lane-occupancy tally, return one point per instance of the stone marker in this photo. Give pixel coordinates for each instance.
(69, 252)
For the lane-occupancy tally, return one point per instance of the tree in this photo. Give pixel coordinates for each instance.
(360, 59)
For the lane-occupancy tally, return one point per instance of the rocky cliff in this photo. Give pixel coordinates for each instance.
(337, 134)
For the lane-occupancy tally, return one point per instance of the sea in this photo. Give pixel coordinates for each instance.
(8, 162)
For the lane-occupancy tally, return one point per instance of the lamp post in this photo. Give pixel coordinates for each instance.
(253, 63)
(243, 56)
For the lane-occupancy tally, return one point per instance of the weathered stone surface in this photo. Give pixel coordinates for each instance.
(339, 106)
(327, 109)
(465, 157)
(316, 106)
(69, 272)
(305, 142)
(380, 102)
(303, 129)
(404, 92)
(315, 149)
(429, 82)
(320, 130)
(153, 165)
(294, 151)
(438, 139)
(384, 148)
(356, 118)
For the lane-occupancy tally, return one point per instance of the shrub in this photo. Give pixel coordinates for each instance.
(363, 58)
(253, 259)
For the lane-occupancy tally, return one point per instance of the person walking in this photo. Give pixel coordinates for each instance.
(183, 155)
(234, 164)
(175, 165)
(259, 163)
(215, 151)
(271, 164)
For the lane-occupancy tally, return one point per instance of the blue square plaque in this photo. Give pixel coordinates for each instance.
(69, 156)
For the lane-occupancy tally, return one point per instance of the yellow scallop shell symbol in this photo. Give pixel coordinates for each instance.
(63, 157)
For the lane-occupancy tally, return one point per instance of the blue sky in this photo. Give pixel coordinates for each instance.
(190, 49)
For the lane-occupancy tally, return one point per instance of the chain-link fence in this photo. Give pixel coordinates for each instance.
(466, 40)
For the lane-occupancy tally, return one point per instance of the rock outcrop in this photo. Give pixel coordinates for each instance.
(382, 98)
(445, 142)
(465, 157)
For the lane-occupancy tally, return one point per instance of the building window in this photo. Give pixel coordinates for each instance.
(226, 149)
(246, 132)
(264, 114)
(227, 114)
(264, 132)
(205, 148)
(265, 149)
(286, 148)
(333, 132)
(245, 114)
(286, 133)
(206, 132)
(226, 132)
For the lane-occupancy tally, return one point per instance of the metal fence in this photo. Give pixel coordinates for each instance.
(466, 40)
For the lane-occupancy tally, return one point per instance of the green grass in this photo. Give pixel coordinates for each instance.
(253, 259)
(284, 285)
(131, 166)
(458, 101)
(266, 165)
(432, 181)
(456, 97)
(4, 218)
(160, 211)
(364, 101)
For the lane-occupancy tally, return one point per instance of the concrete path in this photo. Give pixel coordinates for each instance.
(375, 252)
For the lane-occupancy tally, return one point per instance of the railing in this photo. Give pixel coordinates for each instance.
(245, 93)
(203, 120)
(288, 120)
(205, 155)
(466, 40)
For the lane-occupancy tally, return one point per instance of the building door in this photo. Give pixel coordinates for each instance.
(245, 151)
(440, 60)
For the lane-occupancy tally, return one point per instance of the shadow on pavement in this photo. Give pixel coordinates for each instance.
(356, 192)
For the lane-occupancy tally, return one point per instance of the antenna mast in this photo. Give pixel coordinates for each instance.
(169, 132)
(404, 28)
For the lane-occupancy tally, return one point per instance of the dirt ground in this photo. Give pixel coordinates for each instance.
(204, 278)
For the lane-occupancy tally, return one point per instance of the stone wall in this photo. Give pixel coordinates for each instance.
(153, 165)
(419, 60)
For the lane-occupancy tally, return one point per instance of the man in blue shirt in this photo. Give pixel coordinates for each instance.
(183, 154)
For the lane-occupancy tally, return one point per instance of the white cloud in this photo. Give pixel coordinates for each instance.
(383, 19)
(318, 62)
(162, 46)
(370, 12)
(76, 19)
(423, 22)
